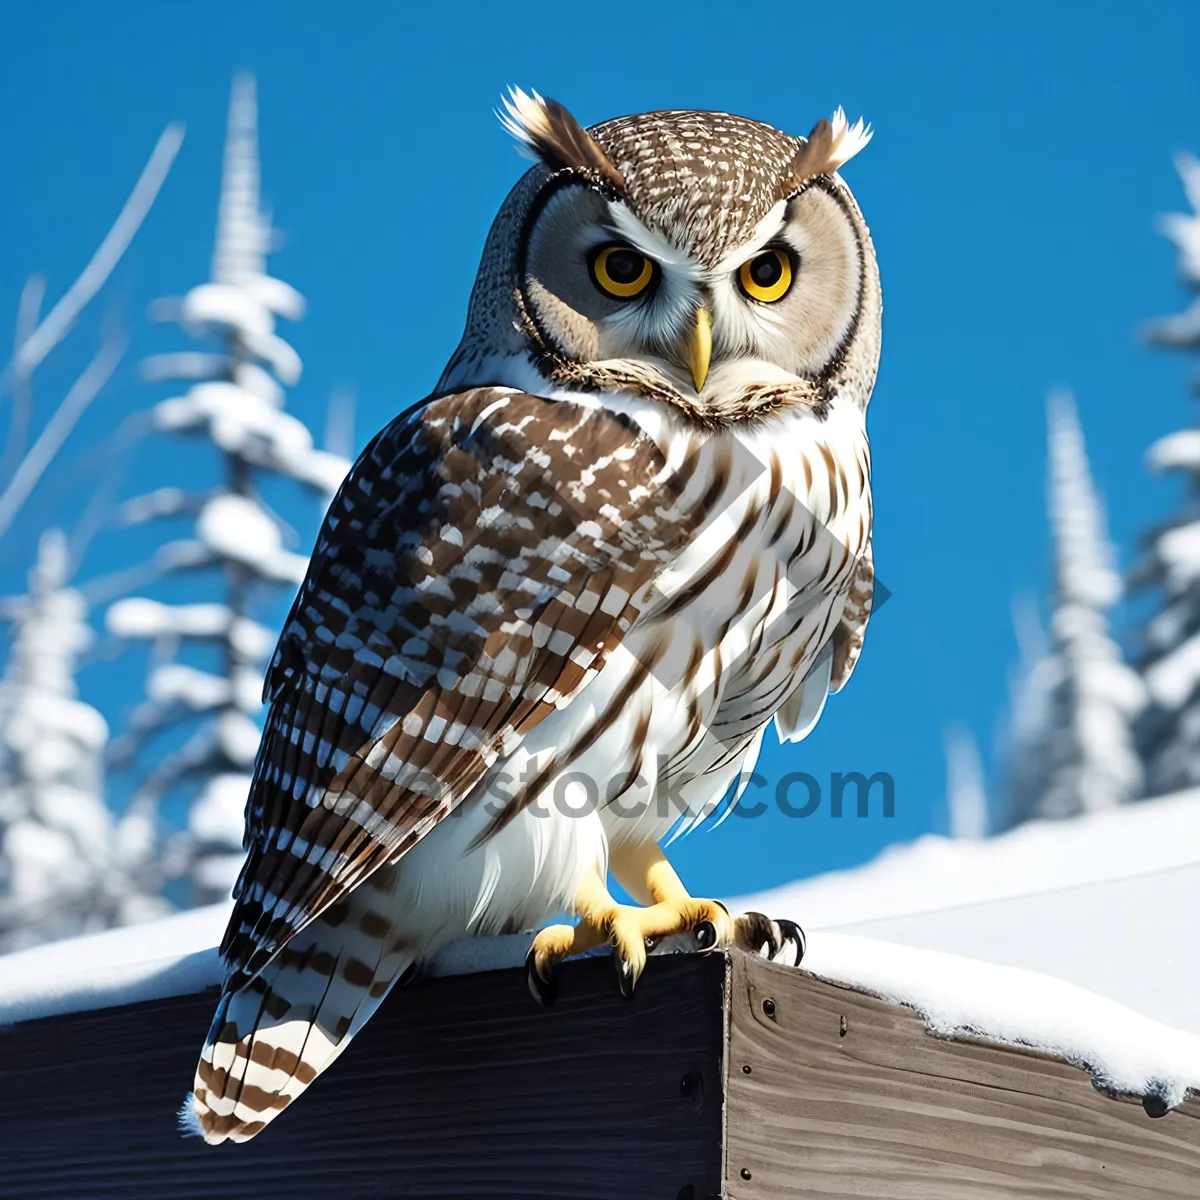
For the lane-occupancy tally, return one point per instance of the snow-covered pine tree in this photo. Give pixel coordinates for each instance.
(66, 866)
(235, 402)
(966, 794)
(1169, 642)
(1072, 749)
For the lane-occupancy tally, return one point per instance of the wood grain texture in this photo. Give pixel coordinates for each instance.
(457, 1087)
(878, 1108)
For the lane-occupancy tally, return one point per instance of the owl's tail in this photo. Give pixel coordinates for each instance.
(271, 1038)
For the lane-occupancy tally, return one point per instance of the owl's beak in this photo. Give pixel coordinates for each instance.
(700, 346)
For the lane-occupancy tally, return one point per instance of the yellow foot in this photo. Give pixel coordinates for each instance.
(713, 928)
(645, 872)
(631, 932)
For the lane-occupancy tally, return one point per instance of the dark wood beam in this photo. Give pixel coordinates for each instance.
(457, 1087)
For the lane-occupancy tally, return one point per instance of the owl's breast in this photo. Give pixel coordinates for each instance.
(784, 514)
(740, 617)
(777, 518)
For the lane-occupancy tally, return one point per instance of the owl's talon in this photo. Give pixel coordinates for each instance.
(550, 946)
(628, 941)
(795, 935)
(753, 932)
(626, 979)
(544, 990)
(633, 932)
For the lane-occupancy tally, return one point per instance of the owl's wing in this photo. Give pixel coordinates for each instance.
(852, 628)
(801, 711)
(486, 554)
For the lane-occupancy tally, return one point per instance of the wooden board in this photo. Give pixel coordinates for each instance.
(833, 1093)
(464, 1087)
(457, 1087)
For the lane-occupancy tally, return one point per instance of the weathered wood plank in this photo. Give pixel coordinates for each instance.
(462, 1087)
(457, 1087)
(876, 1107)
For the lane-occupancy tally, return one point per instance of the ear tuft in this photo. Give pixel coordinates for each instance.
(848, 139)
(548, 132)
(830, 145)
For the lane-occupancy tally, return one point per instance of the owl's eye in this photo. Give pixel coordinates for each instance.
(621, 271)
(767, 276)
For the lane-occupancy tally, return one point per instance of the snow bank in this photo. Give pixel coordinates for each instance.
(1109, 902)
(1131, 940)
(937, 873)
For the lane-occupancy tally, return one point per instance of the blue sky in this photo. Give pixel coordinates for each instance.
(1021, 153)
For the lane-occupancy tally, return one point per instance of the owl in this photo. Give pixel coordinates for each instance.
(557, 604)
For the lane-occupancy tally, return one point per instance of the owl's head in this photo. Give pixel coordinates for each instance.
(701, 259)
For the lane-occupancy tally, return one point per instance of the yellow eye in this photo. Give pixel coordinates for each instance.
(622, 271)
(767, 277)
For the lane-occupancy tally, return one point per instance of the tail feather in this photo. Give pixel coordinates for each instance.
(273, 1036)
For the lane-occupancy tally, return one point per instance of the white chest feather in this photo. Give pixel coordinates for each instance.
(732, 626)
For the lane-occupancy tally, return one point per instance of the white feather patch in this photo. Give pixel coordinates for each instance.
(522, 113)
(653, 244)
(848, 139)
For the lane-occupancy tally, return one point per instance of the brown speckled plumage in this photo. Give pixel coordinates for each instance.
(382, 655)
(561, 563)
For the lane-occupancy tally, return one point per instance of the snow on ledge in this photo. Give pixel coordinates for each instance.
(1124, 1051)
(170, 957)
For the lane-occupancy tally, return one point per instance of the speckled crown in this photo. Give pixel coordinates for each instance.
(701, 179)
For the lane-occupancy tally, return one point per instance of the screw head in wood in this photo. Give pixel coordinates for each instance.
(746, 1069)
(768, 1007)
(690, 1083)
(745, 1172)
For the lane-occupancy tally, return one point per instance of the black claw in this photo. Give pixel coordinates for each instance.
(793, 933)
(544, 991)
(624, 974)
(706, 935)
(762, 933)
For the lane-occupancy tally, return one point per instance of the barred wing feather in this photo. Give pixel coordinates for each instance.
(484, 557)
